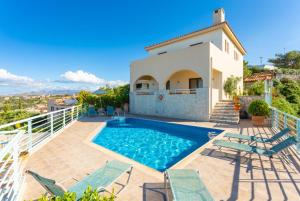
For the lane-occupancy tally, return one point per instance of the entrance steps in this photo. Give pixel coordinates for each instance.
(223, 112)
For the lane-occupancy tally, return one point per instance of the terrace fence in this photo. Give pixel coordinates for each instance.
(19, 139)
(281, 120)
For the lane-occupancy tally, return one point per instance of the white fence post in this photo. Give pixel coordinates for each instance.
(51, 122)
(16, 173)
(29, 131)
(276, 119)
(77, 112)
(72, 113)
(285, 120)
(64, 118)
(298, 136)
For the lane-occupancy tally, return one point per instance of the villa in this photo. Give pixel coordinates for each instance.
(183, 77)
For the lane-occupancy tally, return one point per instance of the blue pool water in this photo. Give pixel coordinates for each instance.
(156, 144)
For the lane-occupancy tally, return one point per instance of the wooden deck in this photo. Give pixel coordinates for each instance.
(228, 175)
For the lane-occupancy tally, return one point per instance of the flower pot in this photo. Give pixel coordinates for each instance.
(237, 107)
(258, 120)
(24, 155)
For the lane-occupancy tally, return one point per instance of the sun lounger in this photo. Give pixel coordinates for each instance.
(110, 111)
(258, 139)
(254, 149)
(100, 179)
(92, 112)
(186, 185)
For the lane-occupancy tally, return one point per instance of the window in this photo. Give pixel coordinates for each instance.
(226, 46)
(168, 85)
(195, 83)
(142, 86)
(162, 53)
(138, 86)
(236, 55)
(196, 44)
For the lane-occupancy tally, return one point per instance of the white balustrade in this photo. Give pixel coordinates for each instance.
(23, 137)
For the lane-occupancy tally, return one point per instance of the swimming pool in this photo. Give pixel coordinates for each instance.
(156, 144)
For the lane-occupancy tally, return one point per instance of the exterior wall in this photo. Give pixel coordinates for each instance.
(215, 97)
(225, 63)
(162, 67)
(232, 47)
(183, 106)
(214, 37)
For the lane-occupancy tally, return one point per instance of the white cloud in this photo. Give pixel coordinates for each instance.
(7, 77)
(78, 80)
(81, 76)
(116, 83)
(89, 78)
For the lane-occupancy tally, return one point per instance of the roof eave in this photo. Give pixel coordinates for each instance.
(223, 25)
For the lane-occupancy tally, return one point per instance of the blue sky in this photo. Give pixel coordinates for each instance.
(56, 44)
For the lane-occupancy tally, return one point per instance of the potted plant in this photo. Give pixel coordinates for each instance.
(259, 110)
(236, 99)
(231, 86)
(24, 155)
(237, 106)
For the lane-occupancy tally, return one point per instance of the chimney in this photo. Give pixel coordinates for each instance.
(218, 16)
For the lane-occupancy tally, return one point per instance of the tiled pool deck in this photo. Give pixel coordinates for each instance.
(227, 174)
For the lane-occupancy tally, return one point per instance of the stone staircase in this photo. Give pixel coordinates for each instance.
(224, 112)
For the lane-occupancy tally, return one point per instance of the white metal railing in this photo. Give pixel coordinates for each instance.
(144, 92)
(281, 120)
(25, 136)
(10, 171)
(184, 91)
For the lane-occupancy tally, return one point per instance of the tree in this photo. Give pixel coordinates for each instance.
(6, 106)
(256, 89)
(230, 86)
(82, 96)
(289, 60)
(246, 71)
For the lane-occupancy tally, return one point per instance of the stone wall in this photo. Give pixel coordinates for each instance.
(246, 101)
(182, 106)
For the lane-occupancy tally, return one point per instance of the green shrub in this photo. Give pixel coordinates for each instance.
(89, 195)
(256, 89)
(259, 108)
(115, 97)
(282, 104)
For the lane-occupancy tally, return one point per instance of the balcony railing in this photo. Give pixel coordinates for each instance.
(145, 92)
(183, 91)
(281, 120)
(23, 137)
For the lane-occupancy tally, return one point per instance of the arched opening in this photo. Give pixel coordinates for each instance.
(184, 82)
(146, 85)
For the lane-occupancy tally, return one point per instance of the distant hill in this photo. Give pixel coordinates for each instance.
(48, 92)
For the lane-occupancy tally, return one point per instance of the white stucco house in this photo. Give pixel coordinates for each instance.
(183, 77)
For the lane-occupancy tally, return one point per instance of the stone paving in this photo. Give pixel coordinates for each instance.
(228, 175)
